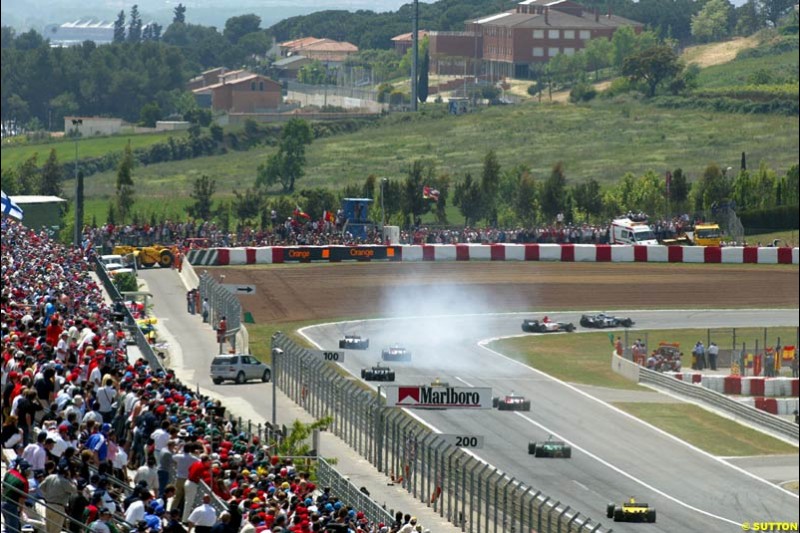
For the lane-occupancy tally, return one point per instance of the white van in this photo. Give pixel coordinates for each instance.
(626, 231)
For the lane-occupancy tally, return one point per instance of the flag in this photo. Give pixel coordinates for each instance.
(429, 193)
(299, 213)
(10, 208)
(327, 216)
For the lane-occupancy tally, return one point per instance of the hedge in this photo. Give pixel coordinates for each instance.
(783, 217)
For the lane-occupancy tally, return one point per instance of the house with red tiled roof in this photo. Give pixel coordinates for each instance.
(403, 41)
(507, 43)
(242, 92)
(324, 50)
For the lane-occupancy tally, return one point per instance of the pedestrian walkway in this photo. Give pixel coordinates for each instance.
(187, 337)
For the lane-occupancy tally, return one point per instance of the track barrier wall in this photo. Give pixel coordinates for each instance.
(466, 492)
(493, 252)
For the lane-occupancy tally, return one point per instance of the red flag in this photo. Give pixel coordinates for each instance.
(301, 214)
(328, 216)
(429, 193)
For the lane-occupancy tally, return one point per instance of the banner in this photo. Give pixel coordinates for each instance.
(438, 397)
(10, 208)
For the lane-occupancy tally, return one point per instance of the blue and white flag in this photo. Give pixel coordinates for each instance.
(10, 208)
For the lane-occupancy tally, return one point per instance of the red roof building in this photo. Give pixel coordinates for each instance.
(507, 43)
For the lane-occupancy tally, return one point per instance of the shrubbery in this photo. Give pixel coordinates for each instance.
(775, 218)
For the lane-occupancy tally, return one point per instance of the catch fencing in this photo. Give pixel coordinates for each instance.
(222, 303)
(467, 492)
(130, 322)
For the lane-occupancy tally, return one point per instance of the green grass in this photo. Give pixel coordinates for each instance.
(582, 358)
(790, 237)
(709, 432)
(782, 67)
(602, 141)
(14, 155)
(585, 358)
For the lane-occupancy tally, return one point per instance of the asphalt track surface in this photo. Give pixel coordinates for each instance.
(615, 456)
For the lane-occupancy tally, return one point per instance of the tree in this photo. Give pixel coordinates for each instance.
(679, 187)
(50, 184)
(623, 42)
(248, 205)
(203, 189)
(748, 18)
(28, 176)
(525, 204)
(652, 66)
(135, 25)
(63, 105)
(317, 201)
(125, 183)
(10, 181)
(554, 192)
(119, 28)
(418, 175)
(773, 10)
(712, 187)
(711, 24)
(490, 184)
(286, 166)
(179, 14)
(16, 110)
(588, 198)
(149, 115)
(598, 54)
(238, 27)
(422, 82)
(468, 199)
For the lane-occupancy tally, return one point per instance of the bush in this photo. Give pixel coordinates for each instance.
(583, 92)
(617, 87)
(126, 282)
(728, 105)
(774, 218)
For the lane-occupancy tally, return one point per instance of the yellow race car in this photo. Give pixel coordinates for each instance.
(631, 511)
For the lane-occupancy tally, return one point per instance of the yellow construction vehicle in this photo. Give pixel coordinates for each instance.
(707, 234)
(148, 256)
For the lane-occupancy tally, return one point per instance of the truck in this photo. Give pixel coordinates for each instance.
(627, 231)
(704, 234)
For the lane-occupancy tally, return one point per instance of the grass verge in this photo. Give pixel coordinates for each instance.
(584, 358)
(710, 432)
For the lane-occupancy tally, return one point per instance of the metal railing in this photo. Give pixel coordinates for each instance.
(466, 492)
(761, 419)
(222, 303)
(37, 515)
(130, 322)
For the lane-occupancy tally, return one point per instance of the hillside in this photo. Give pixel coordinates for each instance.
(602, 140)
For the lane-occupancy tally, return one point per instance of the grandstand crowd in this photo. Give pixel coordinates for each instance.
(300, 231)
(79, 419)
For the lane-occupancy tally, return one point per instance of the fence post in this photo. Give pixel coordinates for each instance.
(550, 516)
(539, 513)
(561, 517)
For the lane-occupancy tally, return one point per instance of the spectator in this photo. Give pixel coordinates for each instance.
(57, 489)
(14, 497)
(148, 474)
(103, 523)
(203, 517)
(713, 352)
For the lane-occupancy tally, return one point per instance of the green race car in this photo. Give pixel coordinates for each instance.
(550, 448)
(631, 511)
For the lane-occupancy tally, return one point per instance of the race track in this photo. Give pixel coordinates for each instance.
(615, 456)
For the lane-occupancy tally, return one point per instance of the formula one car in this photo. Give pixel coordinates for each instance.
(353, 342)
(395, 353)
(377, 373)
(511, 402)
(550, 448)
(631, 511)
(603, 320)
(546, 326)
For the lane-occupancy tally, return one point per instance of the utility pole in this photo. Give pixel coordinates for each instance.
(78, 187)
(414, 63)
